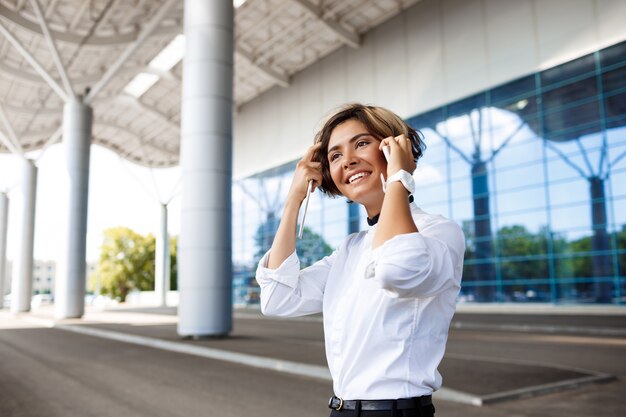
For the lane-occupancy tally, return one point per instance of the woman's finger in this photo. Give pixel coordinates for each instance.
(310, 152)
(385, 142)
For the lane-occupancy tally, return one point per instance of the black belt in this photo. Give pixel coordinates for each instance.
(370, 405)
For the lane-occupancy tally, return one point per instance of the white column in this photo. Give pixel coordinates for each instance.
(22, 285)
(4, 228)
(162, 261)
(70, 281)
(205, 271)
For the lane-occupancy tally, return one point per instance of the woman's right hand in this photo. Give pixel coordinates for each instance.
(307, 169)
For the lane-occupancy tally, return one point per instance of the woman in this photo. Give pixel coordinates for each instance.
(388, 293)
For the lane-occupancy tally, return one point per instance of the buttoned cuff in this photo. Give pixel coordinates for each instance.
(287, 273)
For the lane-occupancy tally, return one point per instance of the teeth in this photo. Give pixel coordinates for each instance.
(357, 176)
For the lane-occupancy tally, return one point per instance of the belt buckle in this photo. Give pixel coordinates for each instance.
(337, 408)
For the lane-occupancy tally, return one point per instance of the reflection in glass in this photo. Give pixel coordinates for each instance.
(534, 171)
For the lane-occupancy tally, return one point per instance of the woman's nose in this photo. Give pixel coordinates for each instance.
(349, 160)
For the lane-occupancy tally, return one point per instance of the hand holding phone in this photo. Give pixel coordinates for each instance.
(386, 152)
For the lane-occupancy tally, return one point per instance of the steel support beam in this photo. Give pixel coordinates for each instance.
(349, 38)
(10, 146)
(54, 138)
(69, 91)
(279, 78)
(11, 141)
(121, 60)
(77, 39)
(80, 11)
(33, 62)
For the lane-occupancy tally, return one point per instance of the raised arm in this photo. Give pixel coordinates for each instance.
(285, 240)
(395, 215)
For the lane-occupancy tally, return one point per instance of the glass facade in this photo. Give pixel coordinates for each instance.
(533, 170)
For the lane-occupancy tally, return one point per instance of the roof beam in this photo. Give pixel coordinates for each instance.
(130, 49)
(69, 91)
(139, 138)
(79, 14)
(32, 61)
(54, 138)
(279, 78)
(50, 9)
(120, 39)
(139, 6)
(10, 146)
(11, 140)
(19, 5)
(106, 15)
(28, 77)
(138, 104)
(30, 110)
(347, 37)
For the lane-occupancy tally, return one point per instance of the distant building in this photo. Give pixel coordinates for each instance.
(44, 276)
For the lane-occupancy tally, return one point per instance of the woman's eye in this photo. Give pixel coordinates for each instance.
(334, 156)
(361, 143)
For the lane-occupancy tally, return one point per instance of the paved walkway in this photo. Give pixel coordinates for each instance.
(492, 360)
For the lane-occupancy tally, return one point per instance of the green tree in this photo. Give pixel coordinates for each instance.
(311, 248)
(126, 263)
(173, 263)
(523, 253)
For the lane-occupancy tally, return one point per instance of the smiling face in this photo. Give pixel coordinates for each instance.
(356, 164)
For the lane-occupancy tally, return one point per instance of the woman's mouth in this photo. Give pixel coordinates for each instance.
(358, 176)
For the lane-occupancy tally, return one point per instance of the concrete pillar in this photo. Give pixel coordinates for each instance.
(162, 261)
(4, 228)
(22, 286)
(70, 282)
(205, 270)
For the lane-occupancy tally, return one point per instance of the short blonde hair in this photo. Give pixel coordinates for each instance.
(379, 122)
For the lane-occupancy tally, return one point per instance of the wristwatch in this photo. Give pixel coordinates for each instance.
(405, 178)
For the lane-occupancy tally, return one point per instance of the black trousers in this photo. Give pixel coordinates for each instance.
(428, 411)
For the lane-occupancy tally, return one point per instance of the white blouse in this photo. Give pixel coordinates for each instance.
(386, 311)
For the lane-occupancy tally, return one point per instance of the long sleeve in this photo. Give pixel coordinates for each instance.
(419, 265)
(288, 291)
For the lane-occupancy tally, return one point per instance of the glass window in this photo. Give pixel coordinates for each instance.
(467, 105)
(614, 80)
(548, 141)
(520, 164)
(529, 199)
(461, 189)
(573, 69)
(427, 120)
(615, 109)
(570, 107)
(572, 218)
(613, 55)
(513, 91)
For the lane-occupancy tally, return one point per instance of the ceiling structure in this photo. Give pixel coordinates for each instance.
(54, 49)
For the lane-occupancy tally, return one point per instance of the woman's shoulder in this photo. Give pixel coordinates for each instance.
(353, 239)
(425, 221)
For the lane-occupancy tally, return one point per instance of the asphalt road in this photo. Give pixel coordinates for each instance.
(51, 372)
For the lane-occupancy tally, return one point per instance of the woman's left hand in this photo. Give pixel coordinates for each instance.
(400, 154)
